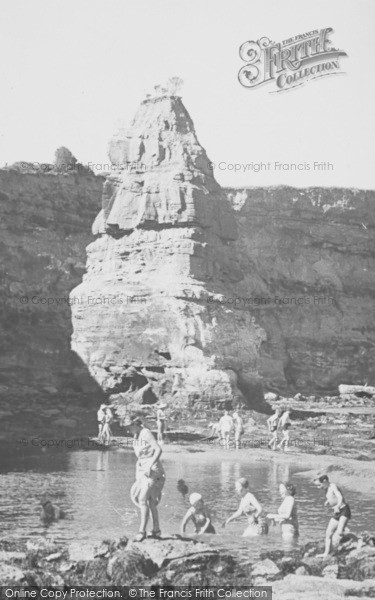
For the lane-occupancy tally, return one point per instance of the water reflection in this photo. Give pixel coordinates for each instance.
(93, 489)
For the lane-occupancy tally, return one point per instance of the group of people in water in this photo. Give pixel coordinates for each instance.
(150, 479)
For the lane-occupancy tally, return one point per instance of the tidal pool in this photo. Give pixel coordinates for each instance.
(93, 488)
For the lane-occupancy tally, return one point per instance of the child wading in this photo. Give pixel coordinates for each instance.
(199, 515)
(341, 511)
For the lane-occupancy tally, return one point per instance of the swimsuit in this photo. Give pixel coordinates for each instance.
(343, 512)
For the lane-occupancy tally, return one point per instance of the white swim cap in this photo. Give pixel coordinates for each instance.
(194, 498)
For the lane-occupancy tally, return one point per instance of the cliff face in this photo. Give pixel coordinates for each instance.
(196, 294)
(166, 245)
(308, 257)
(45, 226)
(191, 293)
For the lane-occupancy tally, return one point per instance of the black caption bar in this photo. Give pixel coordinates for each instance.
(137, 592)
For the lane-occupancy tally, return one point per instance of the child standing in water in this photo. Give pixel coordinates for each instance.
(284, 424)
(272, 424)
(199, 514)
(249, 507)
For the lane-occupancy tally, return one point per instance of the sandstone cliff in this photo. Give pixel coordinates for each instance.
(45, 226)
(166, 245)
(198, 293)
(308, 257)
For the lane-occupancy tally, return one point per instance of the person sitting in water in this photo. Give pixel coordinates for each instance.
(101, 420)
(272, 424)
(249, 507)
(284, 425)
(341, 511)
(238, 428)
(287, 512)
(50, 512)
(226, 426)
(199, 515)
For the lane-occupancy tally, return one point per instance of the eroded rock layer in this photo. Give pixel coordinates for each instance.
(194, 293)
(166, 245)
(308, 263)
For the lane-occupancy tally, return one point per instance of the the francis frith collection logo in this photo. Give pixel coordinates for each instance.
(289, 63)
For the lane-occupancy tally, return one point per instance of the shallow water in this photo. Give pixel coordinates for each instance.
(93, 488)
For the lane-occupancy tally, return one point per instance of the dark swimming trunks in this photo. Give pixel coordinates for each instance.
(343, 512)
(273, 428)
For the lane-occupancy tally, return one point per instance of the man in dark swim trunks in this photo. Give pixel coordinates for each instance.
(341, 511)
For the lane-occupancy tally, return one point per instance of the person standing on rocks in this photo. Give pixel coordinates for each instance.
(150, 478)
(273, 423)
(341, 511)
(287, 512)
(161, 422)
(226, 426)
(238, 428)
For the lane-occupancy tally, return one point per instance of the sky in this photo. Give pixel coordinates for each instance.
(72, 71)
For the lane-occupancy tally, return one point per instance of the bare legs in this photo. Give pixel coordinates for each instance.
(284, 444)
(273, 442)
(147, 500)
(334, 527)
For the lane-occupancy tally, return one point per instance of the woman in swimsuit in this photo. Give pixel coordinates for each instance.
(200, 516)
(150, 478)
(341, 511)
(249, 507)
(287, 512)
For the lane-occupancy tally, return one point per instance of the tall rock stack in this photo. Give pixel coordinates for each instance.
(146, 323)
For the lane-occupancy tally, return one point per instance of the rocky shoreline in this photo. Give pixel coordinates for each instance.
(350, 571)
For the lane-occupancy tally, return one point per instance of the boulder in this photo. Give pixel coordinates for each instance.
(265, 568)
(270, 397)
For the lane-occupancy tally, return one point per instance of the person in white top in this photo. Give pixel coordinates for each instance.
(287, 512)
(106, 432)
(161, 422)
(101, 419)
(272, 424)
(249, 507)
(226, 426)
(150, 478)
(238, 427)
(284, 425)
